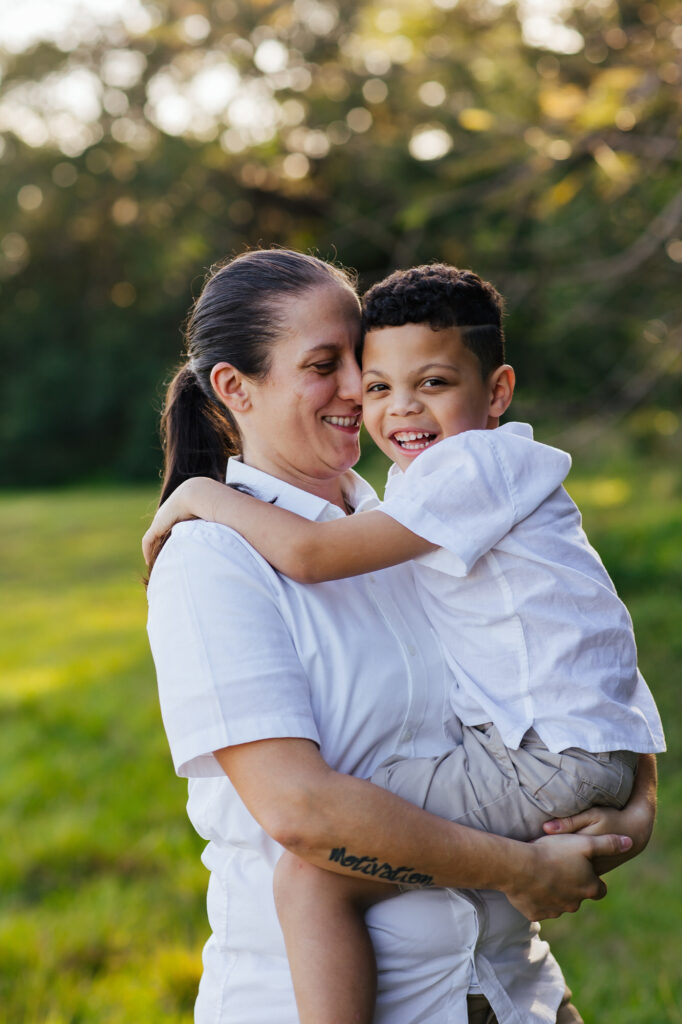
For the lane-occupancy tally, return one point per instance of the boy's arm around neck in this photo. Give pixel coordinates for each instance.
(312, 552)
(306, 551)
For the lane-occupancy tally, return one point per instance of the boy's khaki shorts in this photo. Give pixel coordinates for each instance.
(481, 1012)
(483, 784)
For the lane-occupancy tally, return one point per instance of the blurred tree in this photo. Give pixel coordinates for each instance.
(541, 149)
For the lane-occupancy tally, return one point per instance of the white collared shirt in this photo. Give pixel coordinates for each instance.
(243, 654)
(534, 631)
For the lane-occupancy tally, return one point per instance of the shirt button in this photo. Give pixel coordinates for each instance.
(407, 736)
(411, 650)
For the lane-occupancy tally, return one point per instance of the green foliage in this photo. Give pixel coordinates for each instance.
(102, 913)
(387, 135)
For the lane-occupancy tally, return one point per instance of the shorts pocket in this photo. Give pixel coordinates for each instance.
(610, 786)
(562, 795)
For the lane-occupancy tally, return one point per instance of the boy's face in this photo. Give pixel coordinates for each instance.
(421, 385)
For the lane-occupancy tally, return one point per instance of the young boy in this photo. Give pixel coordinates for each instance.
(542, 653)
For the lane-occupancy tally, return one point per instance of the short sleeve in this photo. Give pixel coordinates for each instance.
(468, 491)
(226, 665)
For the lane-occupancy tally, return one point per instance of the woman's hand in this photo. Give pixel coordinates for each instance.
(636, 820)
(184, 503)
(562, 874)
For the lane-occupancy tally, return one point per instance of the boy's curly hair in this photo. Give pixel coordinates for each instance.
(441, 296)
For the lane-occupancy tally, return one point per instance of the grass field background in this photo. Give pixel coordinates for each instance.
(102, 890)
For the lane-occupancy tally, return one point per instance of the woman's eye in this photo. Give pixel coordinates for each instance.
(327, 367)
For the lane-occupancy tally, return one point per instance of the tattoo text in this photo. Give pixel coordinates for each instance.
(371, 866)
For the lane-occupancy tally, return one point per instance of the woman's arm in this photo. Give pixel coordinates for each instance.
(635, 820)
(307, 551)
(352, 827)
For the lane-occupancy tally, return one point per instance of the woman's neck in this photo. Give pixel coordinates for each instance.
(330, 489)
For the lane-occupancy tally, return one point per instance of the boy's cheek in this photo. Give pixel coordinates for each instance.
(372, 425)
(373, 433)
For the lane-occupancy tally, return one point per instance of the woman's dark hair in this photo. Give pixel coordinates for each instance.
(238, 317)
(441, 296)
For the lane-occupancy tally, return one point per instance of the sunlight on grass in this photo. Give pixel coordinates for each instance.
(72, 603)
(108, 658)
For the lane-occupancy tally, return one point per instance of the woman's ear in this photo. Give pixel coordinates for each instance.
(502, 382)
(230, 387)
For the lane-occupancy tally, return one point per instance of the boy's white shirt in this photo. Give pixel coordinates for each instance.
(533, 629)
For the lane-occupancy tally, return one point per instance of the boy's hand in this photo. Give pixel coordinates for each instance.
(598, 821)
(636, 819)
(175, 509)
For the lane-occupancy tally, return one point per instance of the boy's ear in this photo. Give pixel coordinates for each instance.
(502, 382)
(231, 387)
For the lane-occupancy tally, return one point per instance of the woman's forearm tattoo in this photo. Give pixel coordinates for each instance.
(375, 869)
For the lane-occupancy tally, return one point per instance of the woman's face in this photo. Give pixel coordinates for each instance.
(303, 421)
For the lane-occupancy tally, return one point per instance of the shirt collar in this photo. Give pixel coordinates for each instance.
(393, 471)
(522, 429)
(271, 489)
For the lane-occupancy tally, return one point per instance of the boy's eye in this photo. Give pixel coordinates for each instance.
(434, 382)
(376, 387)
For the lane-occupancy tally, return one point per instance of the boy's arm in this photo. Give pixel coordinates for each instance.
(307, 551)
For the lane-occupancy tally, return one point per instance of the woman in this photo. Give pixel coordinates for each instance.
(280, 699)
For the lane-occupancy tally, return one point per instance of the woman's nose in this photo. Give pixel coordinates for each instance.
(350, 381)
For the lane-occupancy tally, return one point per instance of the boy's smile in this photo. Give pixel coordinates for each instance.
(421, 385)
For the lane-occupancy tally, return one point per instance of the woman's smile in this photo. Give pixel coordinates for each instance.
(349, 424)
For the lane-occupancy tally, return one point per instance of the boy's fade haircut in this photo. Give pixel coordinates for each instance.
(441, 296)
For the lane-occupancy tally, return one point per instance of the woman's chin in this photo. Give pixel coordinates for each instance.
(348, 453)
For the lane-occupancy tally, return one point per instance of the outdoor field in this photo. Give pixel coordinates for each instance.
(102, 888)
(143, 145)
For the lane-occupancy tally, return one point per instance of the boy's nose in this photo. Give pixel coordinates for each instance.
(404, 403)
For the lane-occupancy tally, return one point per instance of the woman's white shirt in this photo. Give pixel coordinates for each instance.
(244, 654)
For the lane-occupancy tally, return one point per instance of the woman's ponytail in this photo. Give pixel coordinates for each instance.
(198, 435)
(198, 438)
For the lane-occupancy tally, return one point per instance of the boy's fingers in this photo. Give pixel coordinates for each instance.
(148, 544)
(555, 826)
(573, 823)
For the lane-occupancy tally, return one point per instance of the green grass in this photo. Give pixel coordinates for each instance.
(621, 957)
(101, 888)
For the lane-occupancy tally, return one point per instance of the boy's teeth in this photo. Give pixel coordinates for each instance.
(413, 440)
